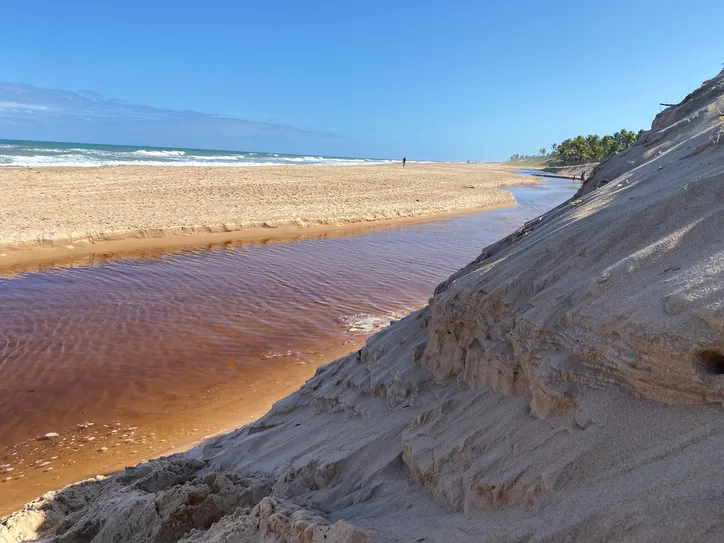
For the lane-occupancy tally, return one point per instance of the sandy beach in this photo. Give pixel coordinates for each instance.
(566, 385)
(86, 210)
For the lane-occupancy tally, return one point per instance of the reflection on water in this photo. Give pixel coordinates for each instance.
(121, 338)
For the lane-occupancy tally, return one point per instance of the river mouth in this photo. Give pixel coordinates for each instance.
(160, 352)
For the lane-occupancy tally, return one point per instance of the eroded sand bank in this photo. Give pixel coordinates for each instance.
(565, 386)
(142, 207)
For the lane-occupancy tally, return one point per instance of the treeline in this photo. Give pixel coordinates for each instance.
(517, 158)
(583, 149)
(592, 148)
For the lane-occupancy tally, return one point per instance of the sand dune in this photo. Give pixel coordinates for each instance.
(565, 386)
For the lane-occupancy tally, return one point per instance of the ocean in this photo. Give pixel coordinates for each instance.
(18, 153)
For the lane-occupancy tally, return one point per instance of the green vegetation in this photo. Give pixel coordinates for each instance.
(582, 149)
(592, 148)
(543, 157)
(531, 161)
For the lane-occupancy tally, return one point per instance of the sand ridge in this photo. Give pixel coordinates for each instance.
(68, 206)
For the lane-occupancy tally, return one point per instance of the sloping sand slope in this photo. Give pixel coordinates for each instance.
(566, 386)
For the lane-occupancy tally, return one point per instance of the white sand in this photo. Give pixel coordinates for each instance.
(566, 386)
(67, 205)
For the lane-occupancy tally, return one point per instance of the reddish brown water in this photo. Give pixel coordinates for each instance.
(179, 346)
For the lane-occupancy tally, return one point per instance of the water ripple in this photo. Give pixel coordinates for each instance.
(117, 336)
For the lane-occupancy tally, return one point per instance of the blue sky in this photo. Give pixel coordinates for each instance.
(430, 80)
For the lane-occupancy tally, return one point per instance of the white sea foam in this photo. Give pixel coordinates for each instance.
(276, 354)
(12, 155)
(366, 323)
(219, 157)
(143, 152)
(70, 160)
(74, 161)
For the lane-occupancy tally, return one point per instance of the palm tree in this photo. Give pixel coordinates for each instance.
(595, 149)
(609, 146)
(625, 139)
(631, 138)
(580, 149)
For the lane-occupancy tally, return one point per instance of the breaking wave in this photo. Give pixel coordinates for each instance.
(25, 154)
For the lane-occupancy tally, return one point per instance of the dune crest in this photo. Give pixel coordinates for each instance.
(565, 386)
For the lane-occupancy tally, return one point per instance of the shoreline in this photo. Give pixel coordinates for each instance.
(215, 411)
(59, 215)
(162, 427)
(35, 257)
(79, 453)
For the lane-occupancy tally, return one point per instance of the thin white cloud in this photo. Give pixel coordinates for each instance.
(17, 106)
(87, 110)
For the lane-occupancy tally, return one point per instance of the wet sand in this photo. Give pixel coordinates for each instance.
(38, 258)
(159, 352)
(73, 209)
(108, 437)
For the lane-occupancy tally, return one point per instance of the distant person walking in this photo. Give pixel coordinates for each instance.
(404, 161)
